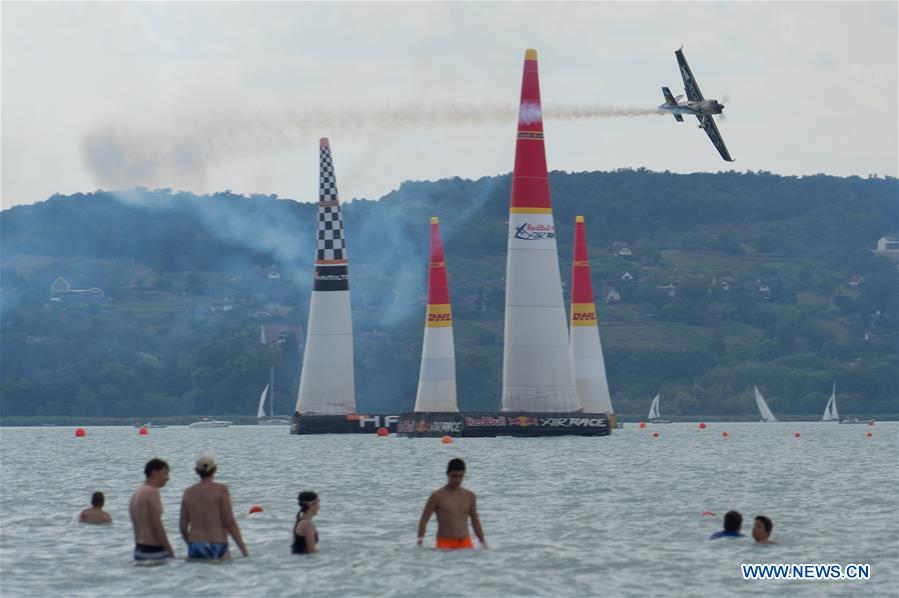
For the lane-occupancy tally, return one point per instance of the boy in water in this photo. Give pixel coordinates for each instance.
(145, 509)
(95, 514)
(761, 530)
(733, 521)
(207, 517)
(453, 505)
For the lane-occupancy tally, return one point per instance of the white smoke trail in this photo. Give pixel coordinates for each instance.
(177, 150)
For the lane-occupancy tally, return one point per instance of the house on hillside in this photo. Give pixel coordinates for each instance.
(612, 296)
(279, 333)
(60, 285)
(627, 276)
(856, 280)
(64, 290)
(221, 305)
(888, 243)
(669, 289)
(625, 252)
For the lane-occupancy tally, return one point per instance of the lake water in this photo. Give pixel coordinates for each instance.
(614, 516)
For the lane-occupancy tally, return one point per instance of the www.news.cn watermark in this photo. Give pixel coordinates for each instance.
(810, 571)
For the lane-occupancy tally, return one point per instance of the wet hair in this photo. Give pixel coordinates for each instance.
(733, 521)
(305, 498)
(766, 523)
(154, 465)
(455, 465)
(98, 500)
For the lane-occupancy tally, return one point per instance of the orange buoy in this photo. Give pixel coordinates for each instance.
(80, 432)
(447, 440)
(708, 514)
(702, 425)
(797, 434)
(655, 434)
(255, 509)
(143, 431)
(725, 434)
(642, 425)
(383, 432)
(869, 434)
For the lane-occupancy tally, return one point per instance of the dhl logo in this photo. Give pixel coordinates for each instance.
(583, 316)
(439, 316)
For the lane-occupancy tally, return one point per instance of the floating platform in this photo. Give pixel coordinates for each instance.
(502, 423)
(342, 424)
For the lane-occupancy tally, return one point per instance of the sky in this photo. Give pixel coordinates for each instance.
(211, 96)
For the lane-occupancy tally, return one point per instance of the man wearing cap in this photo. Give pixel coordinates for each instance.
(206, 516)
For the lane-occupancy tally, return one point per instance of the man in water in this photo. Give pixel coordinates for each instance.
(207, 517)
(733, 521)
(95, 514)
(761, 530)
(453, 505)
(145, 509)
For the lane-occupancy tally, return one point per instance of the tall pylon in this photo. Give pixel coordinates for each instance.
(437, 377)
(327, 384)
(537, 371)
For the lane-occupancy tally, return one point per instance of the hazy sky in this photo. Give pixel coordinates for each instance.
(212, 96)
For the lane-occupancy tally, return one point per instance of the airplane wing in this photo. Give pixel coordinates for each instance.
(711, 129)
(690, 84)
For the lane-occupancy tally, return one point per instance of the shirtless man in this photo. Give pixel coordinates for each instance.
(95, 514)
(207, 517)
(145, 509)
(454, 505)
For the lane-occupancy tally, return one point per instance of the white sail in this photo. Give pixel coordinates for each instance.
(830, 411)
(764, 410)
(654, 409)
(261, 411)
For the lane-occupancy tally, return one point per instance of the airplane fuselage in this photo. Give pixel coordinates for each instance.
(697, 108)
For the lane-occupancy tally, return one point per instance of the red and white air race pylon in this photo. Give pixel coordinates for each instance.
(537, 371)
(437, 377)
(586, 349)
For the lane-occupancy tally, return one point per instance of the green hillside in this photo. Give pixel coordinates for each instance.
(733, 280)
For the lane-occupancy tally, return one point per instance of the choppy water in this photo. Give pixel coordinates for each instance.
(617, 516)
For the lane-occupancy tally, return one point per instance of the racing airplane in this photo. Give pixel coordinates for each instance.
(696, 105)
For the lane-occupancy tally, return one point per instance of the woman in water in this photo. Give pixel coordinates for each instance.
(305, 538)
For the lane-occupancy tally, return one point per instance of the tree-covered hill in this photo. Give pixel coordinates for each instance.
(710, 284)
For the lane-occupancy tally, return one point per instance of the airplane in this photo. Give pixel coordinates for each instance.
(696, 105)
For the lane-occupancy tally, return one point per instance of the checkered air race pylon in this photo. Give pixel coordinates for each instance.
(537, 369)
(586, 350)
(437, 377)
(327, 384)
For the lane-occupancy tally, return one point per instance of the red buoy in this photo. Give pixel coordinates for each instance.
(80, 432)
(383, 432)
(797, 434)
(869, 434)
(725, 434)
(870, 422)
(255, 509)
(702, 425)
(642, 425)
(447, 440)
(655, 434)
(143, 431)
(708, 514)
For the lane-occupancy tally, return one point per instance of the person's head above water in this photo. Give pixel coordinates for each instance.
(455, 472)
(761, 528)
(733, 521)
(98, 500)
(205, 466)
(157, 472)
(308, 501)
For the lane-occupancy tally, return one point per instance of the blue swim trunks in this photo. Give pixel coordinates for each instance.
(210, 551)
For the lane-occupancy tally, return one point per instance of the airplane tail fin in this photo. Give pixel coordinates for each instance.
(672, 101)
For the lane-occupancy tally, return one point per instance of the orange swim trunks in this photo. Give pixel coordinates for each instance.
(454, 543)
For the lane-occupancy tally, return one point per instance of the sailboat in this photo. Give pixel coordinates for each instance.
(654, 415)
(764, 410)
(269, 393)
(830, 411)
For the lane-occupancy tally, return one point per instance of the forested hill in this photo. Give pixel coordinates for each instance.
(707, 284)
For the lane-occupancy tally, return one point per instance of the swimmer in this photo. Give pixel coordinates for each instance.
(453, 505)
(95, 514)
(305, 536)
(207, 517)
(145, 510)
(733, 521)
(761, 530)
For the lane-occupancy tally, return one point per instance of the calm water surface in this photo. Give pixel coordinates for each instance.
(617, 516)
